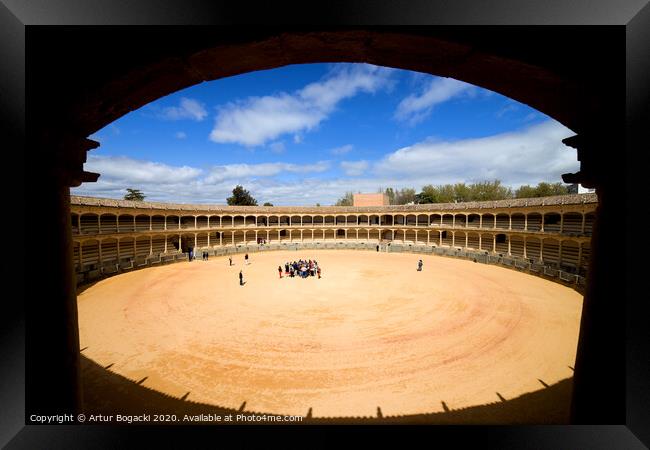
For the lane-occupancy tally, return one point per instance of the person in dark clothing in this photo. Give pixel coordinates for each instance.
(286, 267)
(420, 266)
(189, 255)
(318, 271)
(241, 278)
(377, 248)
(230, 260)
(280, 271)
(246, 258)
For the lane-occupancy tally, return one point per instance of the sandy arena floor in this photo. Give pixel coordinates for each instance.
(373, 332)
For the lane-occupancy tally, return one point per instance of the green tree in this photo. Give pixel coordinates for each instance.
(391, 196)
(241, 197)
(543, 189)
(346, 200)
(134, 194)
(404, 196)
(489, 190)
(268, 204)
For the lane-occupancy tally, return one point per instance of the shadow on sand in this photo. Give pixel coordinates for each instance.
(106, 392)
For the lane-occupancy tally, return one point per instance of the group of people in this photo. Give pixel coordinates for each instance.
(301, 268)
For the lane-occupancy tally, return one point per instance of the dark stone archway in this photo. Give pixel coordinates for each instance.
(72, 93)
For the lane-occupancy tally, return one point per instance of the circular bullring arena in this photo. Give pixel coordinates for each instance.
(493, 316)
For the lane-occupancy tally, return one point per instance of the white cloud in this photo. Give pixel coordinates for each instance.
(256, 120)
(354, 168)
(415, 108)
(128, 170)
(526, 156)
(277, 147)
(297, 139)
(243, 171)
(180, 135)
(342, 150)
(188, 109)
(532, 154)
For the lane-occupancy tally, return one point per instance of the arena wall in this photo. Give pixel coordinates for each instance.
(548, 236)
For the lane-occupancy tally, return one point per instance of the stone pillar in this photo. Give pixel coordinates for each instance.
(510, 221)
(52, 362)
(543, 220)
(453, 221)
(541, 249)
(428, 237)
(525, 222)
(165, 223)
(525, 247)
(150, 223)
(453, 237)
(440, 233)
(582, 228)
(480, 241)
(494, 240)
(150, 245)
(509, 246)
(466, 239)
(165, 243)
(195, 240)
(480, 221)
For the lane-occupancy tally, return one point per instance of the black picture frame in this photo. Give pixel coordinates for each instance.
(15, 17)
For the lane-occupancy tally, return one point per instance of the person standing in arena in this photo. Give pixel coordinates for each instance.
(246, 258)
(230, 260)
(280, 271)
(241, 278)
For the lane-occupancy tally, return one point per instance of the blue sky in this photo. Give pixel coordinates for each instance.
(306, 134)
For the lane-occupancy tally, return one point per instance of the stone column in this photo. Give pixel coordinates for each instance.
(510, 221)
(135, 245)
(494, 241)
(453, 237)
(525, 222)
(52, 364)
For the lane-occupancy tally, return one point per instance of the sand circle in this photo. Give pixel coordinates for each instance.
(373, 332)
